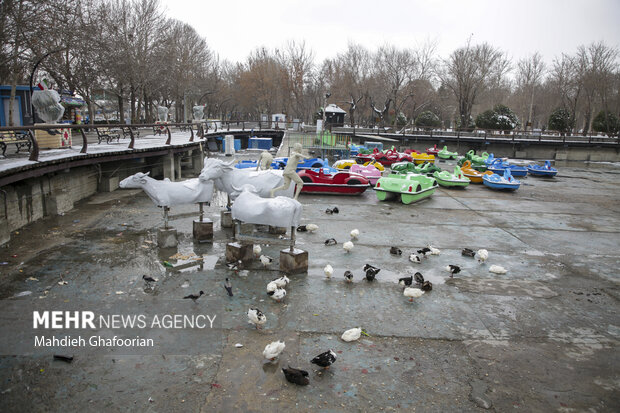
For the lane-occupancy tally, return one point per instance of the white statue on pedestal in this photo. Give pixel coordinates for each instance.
(290, 171)
(264, 162)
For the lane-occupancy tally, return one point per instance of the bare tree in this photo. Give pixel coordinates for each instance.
(468, 71)
(530, 73)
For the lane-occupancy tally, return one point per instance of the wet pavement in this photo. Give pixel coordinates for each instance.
(542, 337)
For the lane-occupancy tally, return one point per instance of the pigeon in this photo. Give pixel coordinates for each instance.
(256, 317)
(149, 280)
(348, 246)
(352, 334)
(335, 210)
(498, 269)
(296, 376)
(414, 258)
(302, 228)
(312, 227)
(273, 350)
(424, 252)
(266, 260)
(453, 269)
(348, 275)
(228, 287)
(434, 251)
(328, 270)
(324, 359)
(282, 281)
(330, 241)
(279, 294)
(395, 251)
(194, 297)
(406, 281)
(412, 293)
(355, 233)
(468, 253)
(257, 250)
(482, 255)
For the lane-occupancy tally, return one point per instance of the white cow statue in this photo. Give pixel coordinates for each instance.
(280, 211)
(167, 193)
(229, 179)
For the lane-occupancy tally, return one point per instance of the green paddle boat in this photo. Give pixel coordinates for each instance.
(411, 187)
(426, 168)
(477, 161)
(446, 154)
(451, 180)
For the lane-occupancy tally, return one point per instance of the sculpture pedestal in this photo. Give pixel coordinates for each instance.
(203, 230)
(277, 230)
(238, 252)
(295, 261)
(226, 219)
(167, 238)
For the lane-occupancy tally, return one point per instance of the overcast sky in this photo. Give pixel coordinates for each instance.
(518, 27)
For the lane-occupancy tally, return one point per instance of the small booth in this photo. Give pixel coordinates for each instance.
(334, 116)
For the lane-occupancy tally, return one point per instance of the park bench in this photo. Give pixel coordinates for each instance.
(21, 139)
(127, 133)
(107, 135)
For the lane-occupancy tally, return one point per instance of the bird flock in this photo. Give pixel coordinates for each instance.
(414, 286)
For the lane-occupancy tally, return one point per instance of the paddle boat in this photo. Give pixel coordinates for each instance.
(446, 154)
(542, 170)
(369, 172)
(495, 181)
(410, 187)
(477, 162)
(375, 164)
(325, 169)
(473, 175)
(246, 164)
(339, 182)
(410, 167)
(498, 166)
(420, 158)
(410, 151)
(451, 180)
(432, 151)
(390, 156)
(355, 149)
(428, 168)
(344, 164)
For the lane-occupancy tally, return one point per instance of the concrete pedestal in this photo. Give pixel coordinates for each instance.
(277, 230)
(108, 184)
(226, 219)
(238, 252)
(203, 230)
(293, 262)
(167, 238)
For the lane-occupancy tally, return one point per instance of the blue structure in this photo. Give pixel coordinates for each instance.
(21, 106)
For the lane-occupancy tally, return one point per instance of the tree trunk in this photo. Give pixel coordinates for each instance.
(121, 107)
(132, 102)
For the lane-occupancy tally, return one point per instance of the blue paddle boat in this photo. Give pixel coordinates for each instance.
(498, 167)
(306, 164)
(507, 181)
(542, 170)
(246, 164)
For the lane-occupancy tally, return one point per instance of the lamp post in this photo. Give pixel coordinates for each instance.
(327, 95)
(34, 69)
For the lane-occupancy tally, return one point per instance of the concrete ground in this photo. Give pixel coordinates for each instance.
(543, 337)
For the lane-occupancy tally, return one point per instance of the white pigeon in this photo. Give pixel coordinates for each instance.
(414, 258)
(312, 227)
(498, 269)
(272, 287)
(279, 294)
(257, 250)
(328, 270)
(348, 246)
(412, 293)
(482, 255)
(282, 281)
(256, 317)
(273, 350)
(352, 334)
(355, 233)
(434, 251)
(265, 260)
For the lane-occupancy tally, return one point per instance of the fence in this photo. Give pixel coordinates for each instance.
(325, 144)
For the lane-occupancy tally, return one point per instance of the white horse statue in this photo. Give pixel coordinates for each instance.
(229, 179)
(278, 212)
(167, 193)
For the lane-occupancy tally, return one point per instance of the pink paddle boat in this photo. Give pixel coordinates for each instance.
(369, 172)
